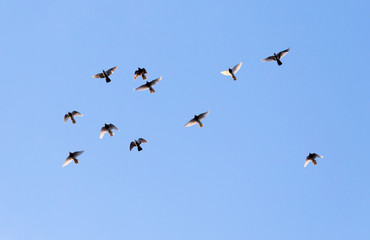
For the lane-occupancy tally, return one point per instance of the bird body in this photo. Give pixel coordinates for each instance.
(106, 74)
(136, 143)
(233, 71)
(197, 120)
(276, 57)
(72, 157)
(312, 157)
(148, 85)
(108, 129)
(71, 115)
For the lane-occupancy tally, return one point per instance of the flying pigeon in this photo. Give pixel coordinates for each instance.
(136, 143)
(105, 74)
(142, 72)
(197, 119)
(107, 128)
(312, 157)
(276, 57)
(71, 115)
(231, 72)
(149, 85)
(72, 157)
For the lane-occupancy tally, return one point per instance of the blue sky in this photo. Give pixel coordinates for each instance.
(239, 177)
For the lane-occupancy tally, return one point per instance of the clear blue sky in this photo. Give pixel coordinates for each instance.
(241, 176)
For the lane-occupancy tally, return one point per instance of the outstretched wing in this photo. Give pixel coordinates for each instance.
(237, 67)
(132, 145)
(142, 140)
(190, 123)
(99, 75)
(66, 118)
(102, 132)
(75, 113)
(227, 73)
(203, 115)
(269, 59)
(67, 161)
(111, 126)
(306, 162)
(110, 71)
(283, 53)
(77, 153)
(155, 81)
(315, 155)
(141, 88)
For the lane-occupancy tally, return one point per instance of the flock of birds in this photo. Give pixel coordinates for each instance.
(108, 128)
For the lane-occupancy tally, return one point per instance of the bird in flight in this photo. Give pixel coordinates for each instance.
(197, 119)
(231, 72)
(72, 157)
(136, 143)
(149, 85)
(276, 57)
(107, 128)
(71, 115)
(141, 72)
(312, 157)
(106, 74)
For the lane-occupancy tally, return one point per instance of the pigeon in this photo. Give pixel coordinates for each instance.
(276, 57)
(107, 128)
(312, 157)
(197, 119)
(149, 85)
(105, 74)
(71, 115)
(136, 143)
(72, 157)
(231, 72)
(142, 72)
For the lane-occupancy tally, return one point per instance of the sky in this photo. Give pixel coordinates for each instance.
(241, 176)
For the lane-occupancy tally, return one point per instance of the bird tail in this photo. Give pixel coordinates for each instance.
(151, 90)
(111, 133)
(279, 62)
(76, 161)
(73, 120)
(233, 77)
(314, 162)
(107, 79)
(200, 124)
(139, 148)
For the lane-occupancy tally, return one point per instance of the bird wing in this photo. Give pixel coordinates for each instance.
(226, 73)
(306, 162)
(67, 161)
(99, 75)
(77, 153)
(190, 123)
(155, 81)
(75, 113)
(136, 74)
(132, 145)
(203, 115)
(283, 53)
(110, 71)
(142, 140)
(141, 88)
(237, 67)
(315, 155)
(66, 118)
(269, 59)
(102, 132)
(111, 126)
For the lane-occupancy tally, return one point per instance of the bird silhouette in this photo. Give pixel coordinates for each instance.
(197, 119)
(141, 72)
(276, 57)
(149, 85)
(231, 72)
(136, 143)
(312, 157)
(107, 128)
(72, 157)
(106, 74)
(71, 115)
